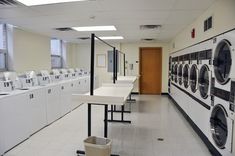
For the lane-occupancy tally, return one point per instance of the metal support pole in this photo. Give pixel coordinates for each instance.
(91, 80)
(122, 119)
(106, 121)
(114, 64)
(124, 58)
(111, 112)
(89, 120)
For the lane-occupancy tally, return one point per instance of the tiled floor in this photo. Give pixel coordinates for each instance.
(152, 117)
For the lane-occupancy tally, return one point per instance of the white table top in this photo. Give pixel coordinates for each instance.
(126, 79)
(110, 95)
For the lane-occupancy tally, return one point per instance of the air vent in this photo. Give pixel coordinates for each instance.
(64, 29)
(8, 3)
(148, 39)
(83, 38)
(150, 27)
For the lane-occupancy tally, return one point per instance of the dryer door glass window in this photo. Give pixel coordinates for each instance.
(172, 73)
(185, 75)
(222, 62)
(176, 73)
(204, 81)
(180, 74)
(193, 78)
(219, 128)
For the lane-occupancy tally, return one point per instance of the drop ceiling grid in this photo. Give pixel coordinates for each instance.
(126, 15)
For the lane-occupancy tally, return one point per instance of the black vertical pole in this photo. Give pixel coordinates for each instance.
(116, 64)
(106, 121)
(114, 80)
(124, 58)
(114, 51)
(91, 80)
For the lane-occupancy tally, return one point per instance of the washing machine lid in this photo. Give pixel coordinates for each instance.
(193, 78)
(222, 61)
(180, 74)
(186, 76)
(203, 81)
(219, 126)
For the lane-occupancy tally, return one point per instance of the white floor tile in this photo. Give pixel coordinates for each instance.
(152, 117)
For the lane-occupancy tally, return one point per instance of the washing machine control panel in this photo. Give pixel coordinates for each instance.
(232, 96)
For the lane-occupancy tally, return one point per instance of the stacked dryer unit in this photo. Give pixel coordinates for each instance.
(169, 74)
(223, 91)
(180, 70)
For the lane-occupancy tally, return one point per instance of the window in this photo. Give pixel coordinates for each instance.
(208, 23)
(3, 47)
(56, 53)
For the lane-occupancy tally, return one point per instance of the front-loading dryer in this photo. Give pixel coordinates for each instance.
(193, 75)
(185, 72)
(204, 77)
(222, 127)
(222, 118)
(176, 73)
(180, 70)
(223, 56)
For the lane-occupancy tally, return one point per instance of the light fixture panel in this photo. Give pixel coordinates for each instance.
(45, 2)
(111, 37)
(96, 28)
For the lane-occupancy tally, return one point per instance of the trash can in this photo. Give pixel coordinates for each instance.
(95, 146)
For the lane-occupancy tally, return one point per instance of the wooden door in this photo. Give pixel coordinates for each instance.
(150, 70)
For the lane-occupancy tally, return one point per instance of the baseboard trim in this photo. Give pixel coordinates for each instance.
(164, 94)
(135, 93)
(210, 147)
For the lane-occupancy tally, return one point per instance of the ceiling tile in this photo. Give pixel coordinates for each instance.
(193, 5)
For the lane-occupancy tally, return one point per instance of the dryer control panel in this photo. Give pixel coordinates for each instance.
(232, 96)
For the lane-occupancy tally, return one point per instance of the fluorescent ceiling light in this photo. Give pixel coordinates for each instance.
(111, 38)
(95, 28)
(44, 2)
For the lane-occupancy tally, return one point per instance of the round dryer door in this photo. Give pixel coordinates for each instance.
(176, 72)
(186, 75)
(222, 62)
(180, 74)
(193, 78)
(219, 127)
(172, 73)
(204, 81)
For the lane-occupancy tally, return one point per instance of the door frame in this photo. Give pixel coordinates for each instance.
(140, 65)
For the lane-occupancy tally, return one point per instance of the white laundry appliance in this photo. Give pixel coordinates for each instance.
(193, 74)
(64, 74)
(222, 120)
(222, 115)
(72, 73)
(43, 78)
(56, 75)
(28, 79)
(186, 70)
(180, 70)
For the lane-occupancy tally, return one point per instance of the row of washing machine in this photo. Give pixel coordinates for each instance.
(205, 73)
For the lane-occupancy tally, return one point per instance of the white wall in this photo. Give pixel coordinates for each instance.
(81, 59)
(30, 51)
(132, 56)
(223, 12)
